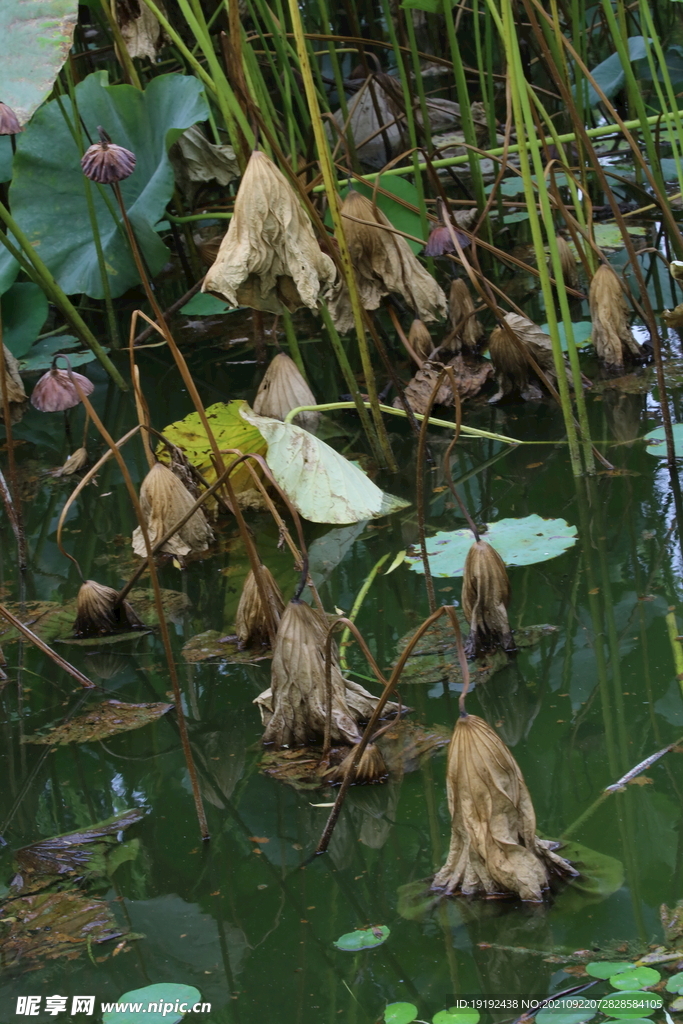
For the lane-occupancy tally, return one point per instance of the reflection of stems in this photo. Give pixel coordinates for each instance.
(15, 516)
(360, 597)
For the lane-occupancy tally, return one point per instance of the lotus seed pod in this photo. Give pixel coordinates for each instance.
(9, 124)
(105, 163)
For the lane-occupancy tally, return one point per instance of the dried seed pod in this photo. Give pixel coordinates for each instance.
(420, 338)
(105, 163)
(269, 258)
(98, 614)
(77, 460)
(384, 264)
(467, 331)
(164, 501)
(283, 389)
(294, 710)
(567, 262)
(55, 391)
(494, 847)
(251, 621)
(485, 598)
(9, 123)
(15, 389)
(612, 335)
(370, 768)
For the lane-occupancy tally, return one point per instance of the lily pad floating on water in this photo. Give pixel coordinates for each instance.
(628, 1004)
(400, 1013)
(106, 719)
(606, 968)
(168, 994)
(518, 542)
(635, 977)
(675, 984)
(456, 1016)
(657, 442)
(364, 938)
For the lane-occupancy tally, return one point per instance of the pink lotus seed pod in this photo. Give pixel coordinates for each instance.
(106, 162)
(55, 390)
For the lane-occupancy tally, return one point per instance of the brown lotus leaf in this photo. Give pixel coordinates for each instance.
(567, 262)
(282, 389)
(77, 461)
(164, 501)
(513, 370)
(294, 710)
(269, 258)
(71, 852)
(106, 719)
(16, 394)
(99, 612)
(370, 767)
(494, 847)
(467, 331)
(384, 264)
(470, 378)
(612, 337)
(251, 620)
(420, 339)
(485, 598)
(674, 317)
(140, 28)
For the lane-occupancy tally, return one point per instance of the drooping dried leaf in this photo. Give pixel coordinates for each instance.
(99, 613)
(513, 370)
(568, 262)
(269, 258)
(15, 389)
(164, 501)
(420, 338)
(470, 378)
(106, 719)
(467, 331)
(199, 160)
(283, 389)
(485, 598)
(612, 337)
(77, 461)
(251, 621)
(383, 263)
(494, 847)
(140, 28)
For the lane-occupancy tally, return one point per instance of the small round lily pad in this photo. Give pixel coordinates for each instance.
(162, 995)
(634, 978)
(606, 968)
(454, 1015)
(364, 938)
(675, 984)
(582, 1009)
(629, 1004)
(400, 1013)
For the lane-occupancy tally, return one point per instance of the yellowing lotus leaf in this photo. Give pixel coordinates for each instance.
(321, 484)
(230, 431)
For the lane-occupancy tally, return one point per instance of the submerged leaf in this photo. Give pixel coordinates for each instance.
(518, 542)
(72, 851)
(321, 484)
(365, 938)
(105, 720)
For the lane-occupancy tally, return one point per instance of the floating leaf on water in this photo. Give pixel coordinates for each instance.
(364, 938)
(635, 977)
(105, 720)
(518, 541)
(72, 851)
(657, 441)
(626, 1004)
(599, 876)
(212, 644)
(321, 484)
(48, 926)
(581, 330)
(230, 431)
(203, 304)
(605, 968)
(400, 1013)
(585, 1010)
(167, 993)
(609, 236)
(34, 43)
(675, 983)
(456, 1016)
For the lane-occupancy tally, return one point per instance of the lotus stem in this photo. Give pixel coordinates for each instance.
(42, 646)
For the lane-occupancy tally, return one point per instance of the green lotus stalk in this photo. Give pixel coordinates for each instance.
(382, 440)
(526, 129)
(326, 27)
(658, 65)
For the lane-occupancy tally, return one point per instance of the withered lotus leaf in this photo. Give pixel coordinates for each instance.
(294, 710)
(15, 388)
(384, 264)
(513, 370)
(251, 623)
(467, 331)
(164, 501)
(283, 389)
(269, 258)
(485, 598)
(567, 262)
(494, 847)
(612, 336)
(99, 613)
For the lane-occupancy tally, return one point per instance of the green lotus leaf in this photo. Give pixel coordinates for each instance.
(657, 442)
(24, 311)
(517, 541)
(35, 39)
(48, 191)
(364, 938)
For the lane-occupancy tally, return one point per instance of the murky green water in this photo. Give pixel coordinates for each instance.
(248, 918)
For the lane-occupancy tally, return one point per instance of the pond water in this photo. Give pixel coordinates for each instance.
(249, 918)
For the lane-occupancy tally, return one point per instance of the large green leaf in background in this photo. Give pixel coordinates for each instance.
(35, 39)
(24, 311)
(48, 189)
